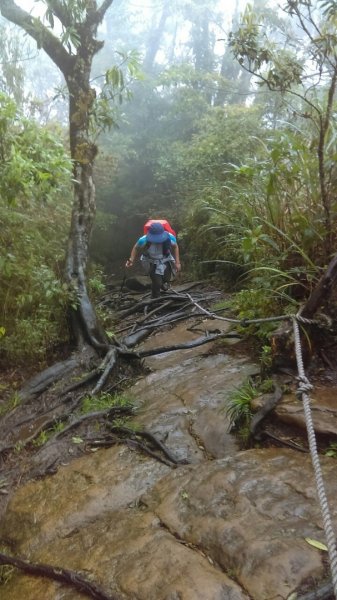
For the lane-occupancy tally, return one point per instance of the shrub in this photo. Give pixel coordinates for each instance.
(35, 201)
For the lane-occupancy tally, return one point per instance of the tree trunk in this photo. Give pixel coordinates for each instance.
(323, 290)
(84, 322)
(154, 40)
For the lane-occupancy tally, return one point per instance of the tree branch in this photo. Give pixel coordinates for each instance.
(41, 34)
(95, 17)
(60, 12)
(102, 10)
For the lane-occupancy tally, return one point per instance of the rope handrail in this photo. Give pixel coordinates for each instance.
(246, 322)
(303, 389)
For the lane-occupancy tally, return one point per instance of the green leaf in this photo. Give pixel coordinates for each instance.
(316, 544)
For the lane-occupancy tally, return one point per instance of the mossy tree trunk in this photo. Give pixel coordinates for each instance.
(75, 65)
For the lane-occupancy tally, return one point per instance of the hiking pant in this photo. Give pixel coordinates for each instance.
(159, 280)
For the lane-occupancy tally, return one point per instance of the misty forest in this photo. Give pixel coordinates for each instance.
(168, 433)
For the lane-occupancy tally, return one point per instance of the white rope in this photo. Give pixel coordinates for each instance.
(243, 322)
(303, 389)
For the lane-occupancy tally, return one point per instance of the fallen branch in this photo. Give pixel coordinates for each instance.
(176, 297)
(57, 574)
(141, 305)
(153, 312)
(284, 442)
(187, 346)
(135, 338)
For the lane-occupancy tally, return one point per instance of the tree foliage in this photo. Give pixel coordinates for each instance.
(11, 70)
(35, 200)
(306, 72)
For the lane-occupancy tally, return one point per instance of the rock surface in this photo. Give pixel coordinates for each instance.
(229, 526)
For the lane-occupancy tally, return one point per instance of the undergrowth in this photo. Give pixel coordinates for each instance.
(239, 406)
(103, 401)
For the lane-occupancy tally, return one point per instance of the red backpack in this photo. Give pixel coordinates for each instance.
(164, 223)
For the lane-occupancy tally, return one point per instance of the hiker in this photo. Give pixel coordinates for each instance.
(160, 256)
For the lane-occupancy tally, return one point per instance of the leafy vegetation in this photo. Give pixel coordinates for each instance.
(9, 404)
(239, 409)
(46, 434)
(239, 406)
(34, 214)
(331, 450)
(104, 400)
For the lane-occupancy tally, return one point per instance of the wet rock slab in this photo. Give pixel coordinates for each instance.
(185, 404)
(184, 399)
(229, 526)
(233, 528)
(323, 403)
(323, 407)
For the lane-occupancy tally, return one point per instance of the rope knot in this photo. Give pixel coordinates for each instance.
(304, 386)
(304, 320)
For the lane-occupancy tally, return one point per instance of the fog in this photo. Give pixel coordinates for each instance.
(133, 25)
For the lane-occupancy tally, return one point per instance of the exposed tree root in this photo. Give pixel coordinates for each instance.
(74, 386)
(48, 377)
(59, 411)
(135, 338)
(65, 576)
(112, 412)
(143, 447)
(106, 366)
(130, 438)
(265, 410)
(152, 439)
(322, 292)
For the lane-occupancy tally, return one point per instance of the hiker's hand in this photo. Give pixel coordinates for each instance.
(178, 267)
(129, 263)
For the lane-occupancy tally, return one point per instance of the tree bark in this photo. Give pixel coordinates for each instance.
(322, 291)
